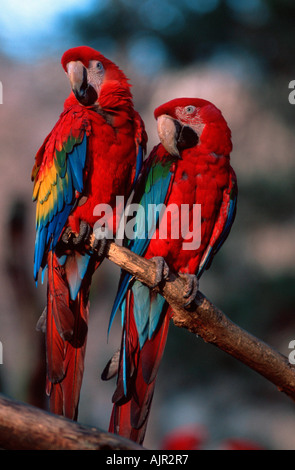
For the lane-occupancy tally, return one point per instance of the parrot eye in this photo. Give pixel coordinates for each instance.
(99, 66)
(190, 109)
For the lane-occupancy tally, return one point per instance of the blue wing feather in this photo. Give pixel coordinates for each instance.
(139, 162)
(152, 190)
(152, 307)
(76, 266)
(69, 178)
(76, 162)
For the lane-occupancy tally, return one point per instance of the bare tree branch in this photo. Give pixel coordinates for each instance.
(25, 427)
(210, 323)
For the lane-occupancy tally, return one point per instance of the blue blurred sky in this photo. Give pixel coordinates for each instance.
(42, 28)
(35, 28)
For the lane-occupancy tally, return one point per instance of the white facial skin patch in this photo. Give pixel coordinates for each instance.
(190, 115)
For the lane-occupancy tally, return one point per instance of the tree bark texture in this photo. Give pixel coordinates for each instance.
(210, 323)
(25, 427)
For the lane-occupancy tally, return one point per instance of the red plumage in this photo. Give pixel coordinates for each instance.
(89, 158)
(195, 147)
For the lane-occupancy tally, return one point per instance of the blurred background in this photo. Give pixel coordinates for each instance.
(239, 54)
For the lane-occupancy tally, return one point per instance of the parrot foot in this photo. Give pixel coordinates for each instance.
(69, 238)
(67, 235)
(191, 288)
(85, 240)
(100, 245)
(83, 235)
(162, 270)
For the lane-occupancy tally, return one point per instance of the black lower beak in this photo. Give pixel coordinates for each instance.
(85, 93)
(185, 136)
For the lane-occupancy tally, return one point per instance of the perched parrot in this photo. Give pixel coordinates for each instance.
(93, 154)
(190, 167)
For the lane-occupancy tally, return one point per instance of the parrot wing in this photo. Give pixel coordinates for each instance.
(144, 313)
(58, 180)
(140, 142)
(153, 188)
(223, 223)
(58, 176)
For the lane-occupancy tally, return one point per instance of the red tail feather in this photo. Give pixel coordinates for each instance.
(66, 335)
(58, 297)
(131, 411)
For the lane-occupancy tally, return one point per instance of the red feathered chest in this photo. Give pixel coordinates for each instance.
(110, 166)
(192, 210)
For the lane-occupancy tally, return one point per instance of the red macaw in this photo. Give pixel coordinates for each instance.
(93, 154)
(191, 166)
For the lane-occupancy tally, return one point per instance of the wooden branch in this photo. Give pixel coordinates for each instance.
(25, 427)
(210, 323)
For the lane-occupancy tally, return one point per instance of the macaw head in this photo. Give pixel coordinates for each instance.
(187, 122)
(88, 70)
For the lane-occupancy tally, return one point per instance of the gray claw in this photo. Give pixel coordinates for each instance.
(162, 270)
(66, 236)
(84, 233)
(100, 246)
(191, 288)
